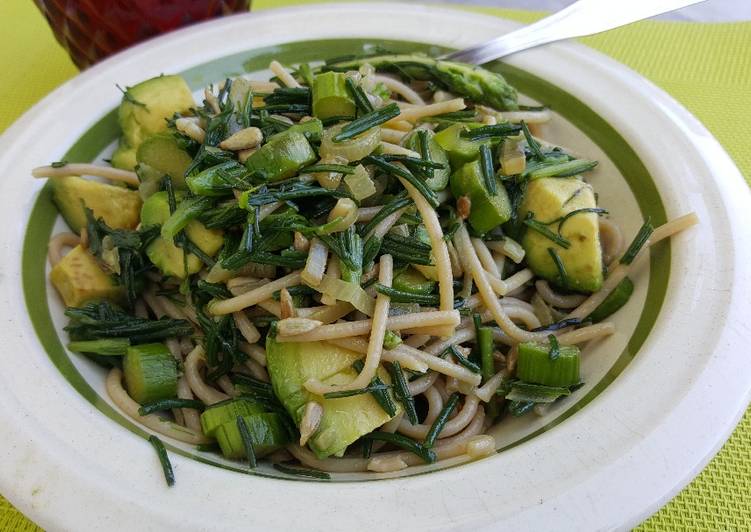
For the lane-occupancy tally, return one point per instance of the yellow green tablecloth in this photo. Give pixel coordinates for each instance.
(707, 67)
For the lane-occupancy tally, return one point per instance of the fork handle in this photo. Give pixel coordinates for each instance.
(585, 17)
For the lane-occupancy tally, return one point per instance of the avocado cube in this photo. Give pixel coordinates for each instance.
(550, 199)
(119, 207)
(79, 278)
(487, 211)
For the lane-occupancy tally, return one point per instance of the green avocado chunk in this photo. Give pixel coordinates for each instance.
(144, 111)
(267, 432)
(79, 278)
(164, 254)
(163, 153)
(487, 211)
(549, 199)
(281, 157)
(344, 420)
(119, 207)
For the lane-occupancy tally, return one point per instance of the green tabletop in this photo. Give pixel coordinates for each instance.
(707, 67)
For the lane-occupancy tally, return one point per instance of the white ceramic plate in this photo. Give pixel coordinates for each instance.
(662, 394)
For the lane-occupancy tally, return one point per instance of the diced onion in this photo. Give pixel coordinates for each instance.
(315, 264)
(352, 149)
(346, 210)
(360, 184)
(349, 292)
(513, 159)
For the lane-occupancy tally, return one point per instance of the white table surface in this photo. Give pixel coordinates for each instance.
(708, 11)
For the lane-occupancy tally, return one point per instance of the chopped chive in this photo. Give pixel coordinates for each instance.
(423, 163)
(405, 443)
(488, 132)
(399, 296)
(562, 275)
(534, 146)
(161, 452)
(128, 97)
(406, 249)
(361, 99)
(545, 231)
(105, 346)
(370, 388)
(441, 420)
(559, 169)
(557, 326)
(422, 140)
(59, 164)
(392, 169)
(367, 448)
(461, 359)
(379, 389)
(338, 168)
(250, 452)
(555, 349)
(488, 173)
(477, 321)
(388, 209)
(401, 390)
(368, 121)
(639, 240)
(563, 219)
(167, 404)
(302, 472)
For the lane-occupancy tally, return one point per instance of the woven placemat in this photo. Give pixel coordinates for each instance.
(707, 67)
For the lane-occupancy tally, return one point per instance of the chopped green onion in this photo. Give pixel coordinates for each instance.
(169, 474)
(545, 231)
(488, 173)
(302, 472)
(401, 390)
(639, 240)
(380, 392)
(441, 420)
(462, 360)
(534, 146)
(488, 132)
(247, 442)
(555, 349)
(368, 121)
(562, 275)
(168, 404)
(405, 443)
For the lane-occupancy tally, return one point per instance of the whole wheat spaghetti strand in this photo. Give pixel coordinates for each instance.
(375, 344)
(107, 172)
(253, 297)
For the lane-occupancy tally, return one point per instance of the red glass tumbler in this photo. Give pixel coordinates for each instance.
(91, 30)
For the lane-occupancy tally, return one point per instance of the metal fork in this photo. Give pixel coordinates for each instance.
(585, 17)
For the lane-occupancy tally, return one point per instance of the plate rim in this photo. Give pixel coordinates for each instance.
(734, 187)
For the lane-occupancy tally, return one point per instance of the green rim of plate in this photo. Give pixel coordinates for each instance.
(44, 214)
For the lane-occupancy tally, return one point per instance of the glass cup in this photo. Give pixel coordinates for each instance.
(91, 30)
